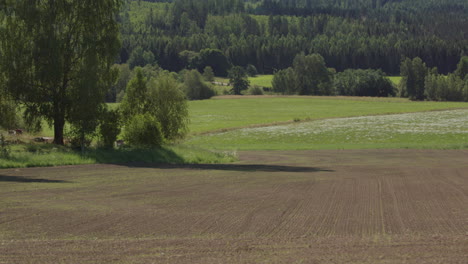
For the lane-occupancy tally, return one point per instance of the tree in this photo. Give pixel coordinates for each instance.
(413, 73)
(140, 57)
(110, 127)
(216, 60)
(251, 70)
(118, 90)
(208, 74)
(284, 81)
(47, 45)
(167, 103)
(238, 79)
(135, 99)
(195, 87)
(88, 93)
(462, 67)
(363, 83)
(159, 97)
(312, 75)
(7, 108)
(7, 112)
(143, 130)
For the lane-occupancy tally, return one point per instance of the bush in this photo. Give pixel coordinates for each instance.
(363, 83)
(238, 79)
(251, 70)
(195, 88)
(143, 130)
(168, 104)
(208, 74)
(255, 90)
(109, 128)
(284, 81)
(446, 88)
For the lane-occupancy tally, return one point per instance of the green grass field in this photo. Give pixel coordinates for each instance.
(434, 130)
(395, 79)
(222, 113)
(261, 80)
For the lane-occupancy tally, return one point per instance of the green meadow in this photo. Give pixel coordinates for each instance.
(226, 113)
(395, 79)
(446, 129)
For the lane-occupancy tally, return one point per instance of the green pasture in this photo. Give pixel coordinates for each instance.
(435, 130)
(395, 79)
(225, 113)
(261, 80)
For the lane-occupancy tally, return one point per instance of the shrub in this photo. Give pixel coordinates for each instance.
(195, 88)
(109, 128)
(168, 104)
(363, 83)
(446, 88)
(284, 81)
(143, 130)
(208, 74)
(251, 70)
(255, 90)
(238, 79)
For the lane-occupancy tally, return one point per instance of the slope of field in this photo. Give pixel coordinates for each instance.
(436, 129)
(227, 112)
(387, 206)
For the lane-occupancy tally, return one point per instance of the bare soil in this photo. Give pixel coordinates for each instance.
(353, 206)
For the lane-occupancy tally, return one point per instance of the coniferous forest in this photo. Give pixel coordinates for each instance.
(268, 34)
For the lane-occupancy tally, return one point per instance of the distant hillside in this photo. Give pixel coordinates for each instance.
(269, 33)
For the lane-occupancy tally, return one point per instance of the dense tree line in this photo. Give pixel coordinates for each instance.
(310, 76)
(422, 83)
(268, 34)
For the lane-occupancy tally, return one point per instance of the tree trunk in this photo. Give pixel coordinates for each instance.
(59, 123)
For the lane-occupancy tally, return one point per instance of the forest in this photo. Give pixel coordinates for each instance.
(268, 34)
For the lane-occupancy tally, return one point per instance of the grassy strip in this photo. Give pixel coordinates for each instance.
(46, 155)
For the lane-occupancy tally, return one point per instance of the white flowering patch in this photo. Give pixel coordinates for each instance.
(445, 127)
(439, 122)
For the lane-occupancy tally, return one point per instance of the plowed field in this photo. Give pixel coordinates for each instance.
(353, 206)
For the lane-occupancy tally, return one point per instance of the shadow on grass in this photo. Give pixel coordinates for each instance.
(230, 167)
(4, 178)
(120, 156)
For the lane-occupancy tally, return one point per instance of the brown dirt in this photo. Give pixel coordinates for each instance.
(354, 206)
